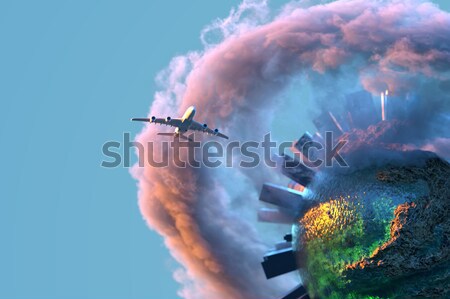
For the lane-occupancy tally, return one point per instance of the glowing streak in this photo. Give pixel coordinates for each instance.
(385, 103)
(338, 125)
(383, 115)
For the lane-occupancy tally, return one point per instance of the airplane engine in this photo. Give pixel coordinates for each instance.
(216, 131)
(153, 118)
(168, 118)
(205, 126)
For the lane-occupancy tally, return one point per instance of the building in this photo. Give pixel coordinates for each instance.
(279, 262)
(294, 169)
(299, 292)
(361, 111)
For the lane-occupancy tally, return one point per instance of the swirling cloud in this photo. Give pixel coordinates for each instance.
(203, 214)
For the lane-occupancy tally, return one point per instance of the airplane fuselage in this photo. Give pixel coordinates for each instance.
(183, 124)
(186, 120)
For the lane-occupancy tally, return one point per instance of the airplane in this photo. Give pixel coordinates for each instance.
(182, 125)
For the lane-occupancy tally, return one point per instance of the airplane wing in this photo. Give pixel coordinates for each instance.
(196, 126)
(173, 122)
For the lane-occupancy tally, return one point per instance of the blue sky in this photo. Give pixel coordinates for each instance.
(72, 73)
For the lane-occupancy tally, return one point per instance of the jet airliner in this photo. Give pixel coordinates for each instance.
(182, 125)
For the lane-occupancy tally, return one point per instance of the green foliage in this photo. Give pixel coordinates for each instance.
(329, 256)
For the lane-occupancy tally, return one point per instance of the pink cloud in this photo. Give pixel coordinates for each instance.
(234, 85)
